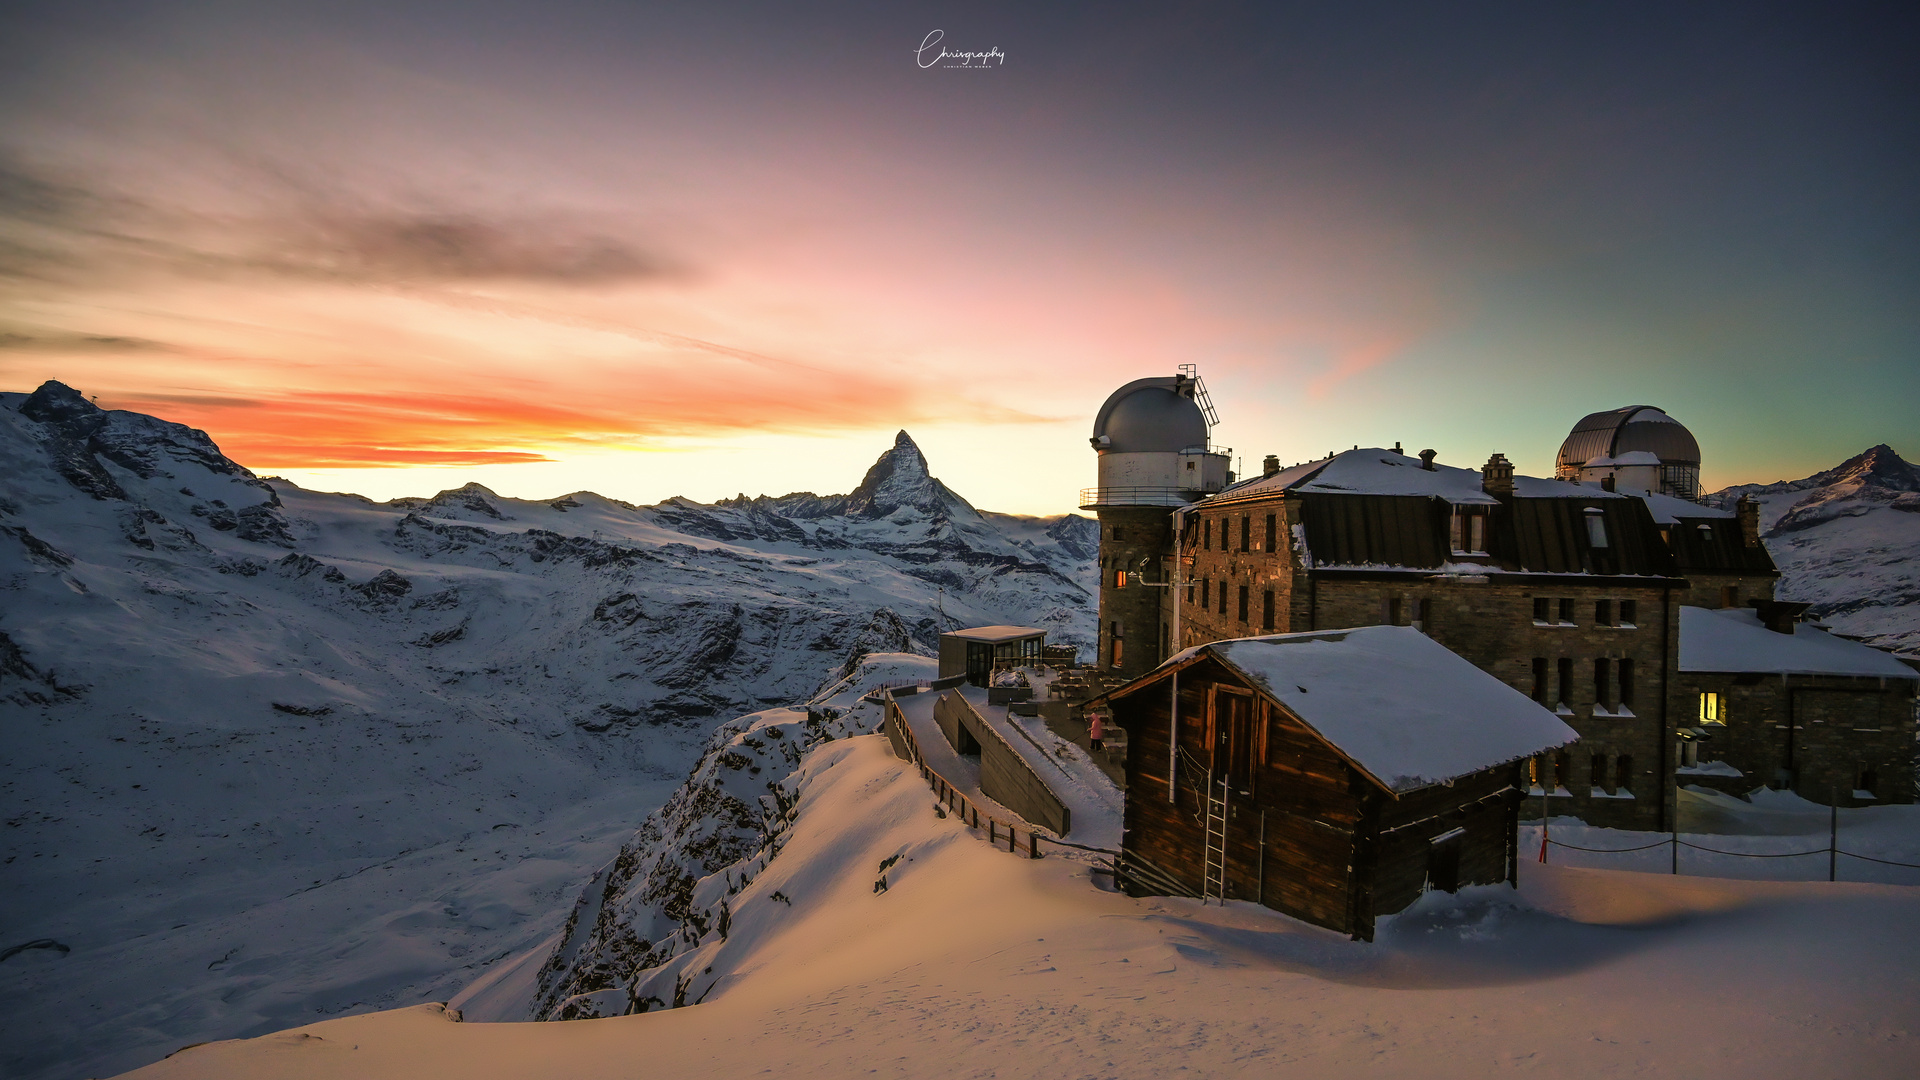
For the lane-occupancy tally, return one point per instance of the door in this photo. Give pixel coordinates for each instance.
(1233, 737)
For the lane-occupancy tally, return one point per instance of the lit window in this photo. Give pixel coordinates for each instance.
(1119, 579)
(1713, 709)
(1596, 527)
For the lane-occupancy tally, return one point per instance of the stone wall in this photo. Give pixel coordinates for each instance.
(1819, 735)
(1127, 536)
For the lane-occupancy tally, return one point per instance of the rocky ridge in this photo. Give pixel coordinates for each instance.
(225, 693)
(1845, 541)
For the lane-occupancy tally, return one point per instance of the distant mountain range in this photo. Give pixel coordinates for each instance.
(230, 702)
(1847, 540)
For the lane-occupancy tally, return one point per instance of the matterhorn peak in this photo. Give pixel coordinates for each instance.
(901, 478)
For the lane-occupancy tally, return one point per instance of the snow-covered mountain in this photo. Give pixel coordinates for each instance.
(1846, 541)
(275, 754)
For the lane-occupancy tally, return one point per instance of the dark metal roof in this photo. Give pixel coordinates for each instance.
(1542, 536)
(1718, 548)
(1624, 431)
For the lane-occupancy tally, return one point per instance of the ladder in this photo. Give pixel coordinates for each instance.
(1213, 882)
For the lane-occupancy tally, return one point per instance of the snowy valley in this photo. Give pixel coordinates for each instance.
(276, 754)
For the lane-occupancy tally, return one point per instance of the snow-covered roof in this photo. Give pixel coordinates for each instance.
(1398, 704)
(1668, 510)
(1374, 471)
(996, 633)
(1734, 639)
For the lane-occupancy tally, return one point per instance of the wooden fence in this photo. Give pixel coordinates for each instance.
(900, 734)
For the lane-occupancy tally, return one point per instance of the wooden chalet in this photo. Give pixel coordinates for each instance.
(1332, 775)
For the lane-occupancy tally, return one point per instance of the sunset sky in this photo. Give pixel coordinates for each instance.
(718, 248)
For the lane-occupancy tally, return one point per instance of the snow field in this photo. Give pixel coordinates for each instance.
(975, 963)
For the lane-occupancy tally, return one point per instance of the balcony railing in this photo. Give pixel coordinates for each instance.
(1095, 497)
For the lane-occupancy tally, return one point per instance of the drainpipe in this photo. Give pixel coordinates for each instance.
(1173, 710)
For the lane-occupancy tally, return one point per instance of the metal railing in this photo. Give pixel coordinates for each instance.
(1140, 496)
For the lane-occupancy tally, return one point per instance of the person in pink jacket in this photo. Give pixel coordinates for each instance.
(1096, 729)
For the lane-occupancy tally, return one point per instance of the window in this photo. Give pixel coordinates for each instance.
(1189, 590)
(1119, 579)
(1206, 593)
(1542, 609)
(1246, 532)
(1603, 613)
(1713, 709)
(1596, 527)
(1114, 636)
(1629, 612)
(1391, 610)
(1729, 596)
(1223, 598)
(1243, 603)
(1540, 679)
(1623, 773)
(1422, 611)
(1119, 534)
(1468, 532)
(1266, 611)
(1273, 533)
(1566, 680)
(1597, 778)
(1602, 670)
(1566, 611)
(1626, 680)
(1560, 770)
(1206, 534)
(1869, 781)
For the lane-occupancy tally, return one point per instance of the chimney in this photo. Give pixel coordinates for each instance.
(1396, 447)
(1748, 511)
(1496, 476)
(1271, 465)
(1426, 459)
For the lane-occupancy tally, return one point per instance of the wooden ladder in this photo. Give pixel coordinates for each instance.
(1214, 876)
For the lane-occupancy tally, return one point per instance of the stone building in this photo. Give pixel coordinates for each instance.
(1152, 439)
(1785, 704)
(1565, 592)
(1569, 590)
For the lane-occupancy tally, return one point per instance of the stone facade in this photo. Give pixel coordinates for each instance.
(1824, 736)
(1132, 619)
(1490, 620)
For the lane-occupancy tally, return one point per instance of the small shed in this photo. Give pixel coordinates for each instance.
(1332, 775)
(1780, 703)
(976, 652)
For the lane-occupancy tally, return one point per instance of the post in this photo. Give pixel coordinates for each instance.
(1543, 824)
(1260, 862)
(992, 837)
(1033, 845)
(1833, 831)
(1674, 840)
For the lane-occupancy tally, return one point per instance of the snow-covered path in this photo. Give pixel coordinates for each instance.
(976, 963)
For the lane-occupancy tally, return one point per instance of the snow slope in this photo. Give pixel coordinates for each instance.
(275, 754)
(1845, 541)
(971, 963)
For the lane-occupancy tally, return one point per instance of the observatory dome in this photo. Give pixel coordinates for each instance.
(1150, 416)
(1636, 429)
(1638, 446)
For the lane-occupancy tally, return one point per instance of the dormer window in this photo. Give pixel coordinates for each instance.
(1468, 533)
(1596, 527)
